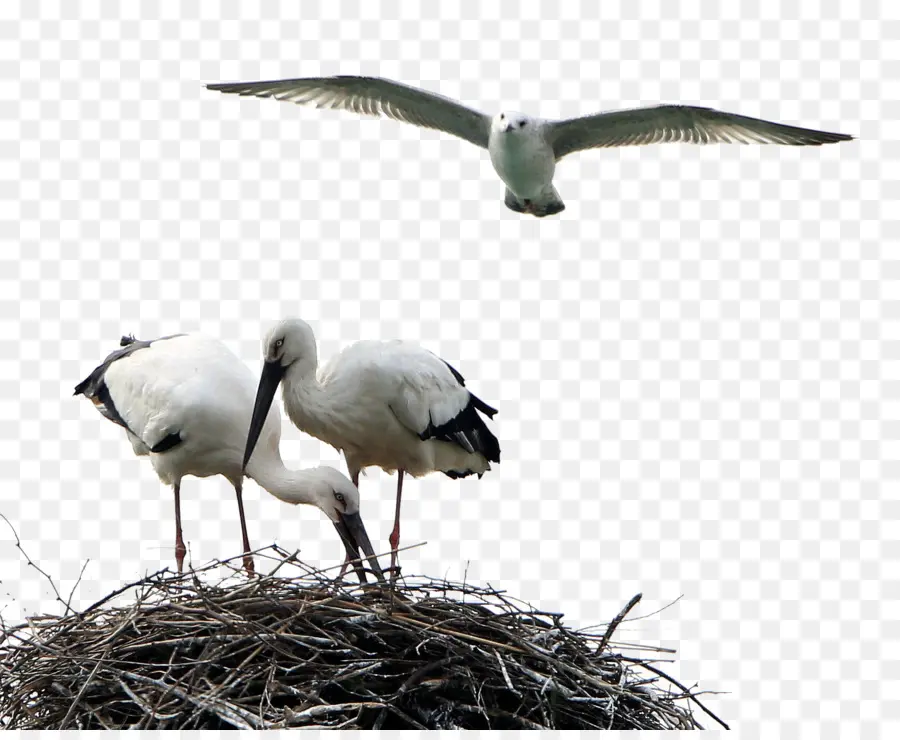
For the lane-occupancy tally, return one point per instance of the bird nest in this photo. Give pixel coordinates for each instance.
(294, 648)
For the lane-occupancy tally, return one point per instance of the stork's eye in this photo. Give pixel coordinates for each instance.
(339, 497)
(521, 124)
(502, 116)
(278, 343)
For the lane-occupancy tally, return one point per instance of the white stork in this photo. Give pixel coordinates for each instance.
(186, 402)
(393, 405)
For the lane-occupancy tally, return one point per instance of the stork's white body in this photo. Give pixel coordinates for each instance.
(196, 387)
(374, 399)
(186, 402)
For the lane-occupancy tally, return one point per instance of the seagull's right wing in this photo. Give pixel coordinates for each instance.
(374, 96)
(676, 123)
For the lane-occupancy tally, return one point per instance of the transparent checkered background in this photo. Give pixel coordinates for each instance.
(695, 364)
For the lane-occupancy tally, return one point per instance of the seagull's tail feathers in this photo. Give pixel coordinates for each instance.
(548, 204)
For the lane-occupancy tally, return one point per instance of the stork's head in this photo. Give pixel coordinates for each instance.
(333, 493)
(507, 122)
(289, 341)
(336, 495)
(289, 346)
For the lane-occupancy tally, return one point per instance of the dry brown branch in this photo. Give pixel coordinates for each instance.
(32, 564)
(616, 621)
(294, 648)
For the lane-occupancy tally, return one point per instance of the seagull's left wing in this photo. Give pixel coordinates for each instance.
(675, 123)
(374, 96)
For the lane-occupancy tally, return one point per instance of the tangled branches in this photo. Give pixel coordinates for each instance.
(188, 652)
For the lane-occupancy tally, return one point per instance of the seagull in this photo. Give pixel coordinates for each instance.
(394, 405)
(185, 401)
(524, 150)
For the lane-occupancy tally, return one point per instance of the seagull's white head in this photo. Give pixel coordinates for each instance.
(507, 122)
(290, 341)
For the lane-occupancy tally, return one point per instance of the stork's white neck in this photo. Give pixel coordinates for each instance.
(292, 486)
(307, 402)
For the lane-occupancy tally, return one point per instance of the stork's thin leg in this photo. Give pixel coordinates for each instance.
(395, 532)
(180, 549)
(344, 566)
(354, 476)
(248, 558)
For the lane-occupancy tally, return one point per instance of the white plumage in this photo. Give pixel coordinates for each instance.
(186, 402)
(524, 150)
(393, 405)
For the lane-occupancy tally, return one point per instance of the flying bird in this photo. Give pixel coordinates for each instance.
(524, 150)
(393, 405)
(186, 401)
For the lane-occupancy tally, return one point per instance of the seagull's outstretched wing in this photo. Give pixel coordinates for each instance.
(675, 123)
(374, 96)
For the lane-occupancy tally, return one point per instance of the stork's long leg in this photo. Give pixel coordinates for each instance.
(395, 532)
(354, 476)
(180, 549)
(248, 558)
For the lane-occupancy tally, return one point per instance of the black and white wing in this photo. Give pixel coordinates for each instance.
(96, 387)
(424, 393)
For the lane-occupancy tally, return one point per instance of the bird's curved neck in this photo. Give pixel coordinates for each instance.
(306, 400)
(292, 486)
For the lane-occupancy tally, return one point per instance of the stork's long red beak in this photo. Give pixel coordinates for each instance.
(272, 374)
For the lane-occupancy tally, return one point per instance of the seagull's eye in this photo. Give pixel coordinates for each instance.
(502, 116)
(278, 343)
(521, 124)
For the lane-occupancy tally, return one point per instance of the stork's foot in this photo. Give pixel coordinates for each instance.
(180, 552)
(249, 566)
(394, 570)
(358, 567)
(344, 567)
(393, 573)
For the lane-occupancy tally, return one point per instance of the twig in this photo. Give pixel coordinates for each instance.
(78, 581)
(34, 565)
(505, 673)
(615, 623)
(687, 692)
(84, 687)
